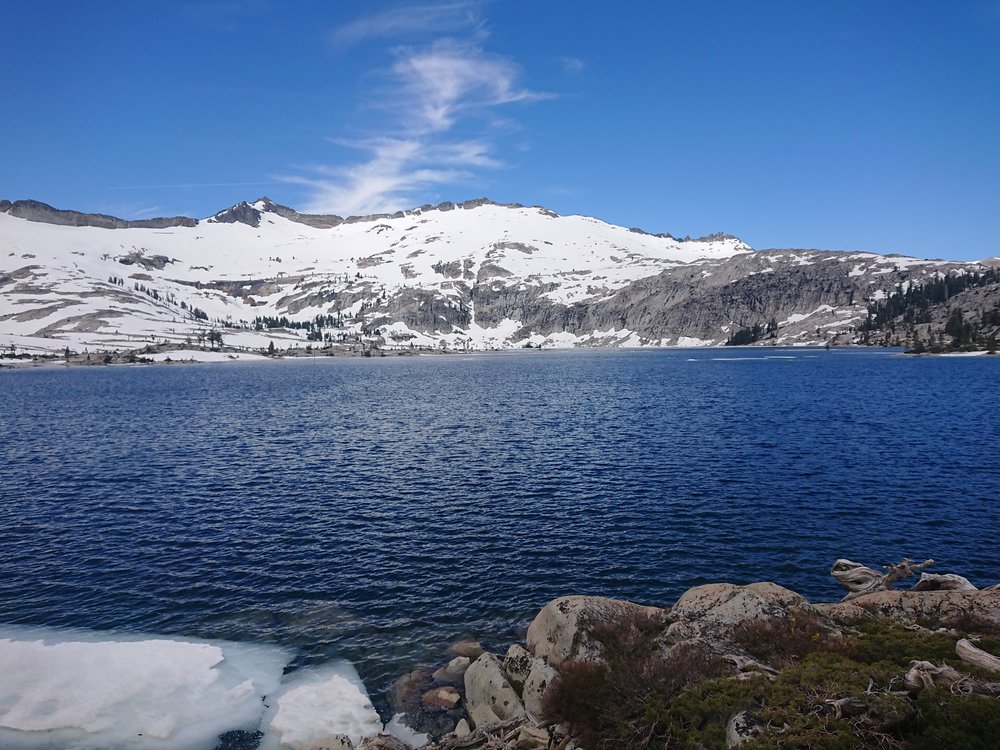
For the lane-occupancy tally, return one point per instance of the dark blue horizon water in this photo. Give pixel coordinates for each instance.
(380, 509)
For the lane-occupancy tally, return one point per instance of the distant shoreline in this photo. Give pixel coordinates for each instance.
(186, 356)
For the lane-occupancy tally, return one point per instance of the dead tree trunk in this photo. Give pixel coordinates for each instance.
(860, 580)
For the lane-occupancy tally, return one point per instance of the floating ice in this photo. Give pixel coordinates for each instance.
(398, 727)
(77, 690)
(317, 703)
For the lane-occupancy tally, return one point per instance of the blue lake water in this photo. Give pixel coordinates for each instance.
(380, 509)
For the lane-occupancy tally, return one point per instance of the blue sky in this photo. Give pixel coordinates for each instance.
(838, 125)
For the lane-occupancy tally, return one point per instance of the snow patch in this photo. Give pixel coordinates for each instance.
(691, 341)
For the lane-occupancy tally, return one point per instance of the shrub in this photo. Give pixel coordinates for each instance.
(781, 642)
(622, 701)
(969, 722)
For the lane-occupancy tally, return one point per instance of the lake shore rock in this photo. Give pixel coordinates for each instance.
(741, 641)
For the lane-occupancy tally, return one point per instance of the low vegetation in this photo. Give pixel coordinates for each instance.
(832, 687)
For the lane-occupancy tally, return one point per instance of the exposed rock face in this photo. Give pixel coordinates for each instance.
(489, 696)
(320, 221)
(722, 606)
(540, 678)
(921, 607)
(558, 632)
(505, 277)
(42, 212)
(742, 728)
(516, 665)
(242, 213)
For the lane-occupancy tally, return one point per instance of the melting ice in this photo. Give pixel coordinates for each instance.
(79, 690)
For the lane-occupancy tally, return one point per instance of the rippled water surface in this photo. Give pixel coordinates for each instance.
(379, 509)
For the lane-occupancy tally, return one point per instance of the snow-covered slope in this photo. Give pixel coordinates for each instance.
(471, 276)
(89, 286)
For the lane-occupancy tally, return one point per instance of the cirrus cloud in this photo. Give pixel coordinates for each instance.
(433, 95)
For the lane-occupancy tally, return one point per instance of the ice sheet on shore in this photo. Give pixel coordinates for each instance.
(72, 689)
(317, 703)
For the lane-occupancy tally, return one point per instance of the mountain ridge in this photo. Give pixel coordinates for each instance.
(470, 275)
(247, 212)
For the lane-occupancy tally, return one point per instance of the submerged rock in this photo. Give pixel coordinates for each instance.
(441, 697)
(469, 649)
(454, 670)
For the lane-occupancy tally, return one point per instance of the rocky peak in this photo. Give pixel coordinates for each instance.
(241, 213)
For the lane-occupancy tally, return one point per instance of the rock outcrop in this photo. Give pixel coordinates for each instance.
(938, 608)
(559, 633)
(42, 212)
(724, 634)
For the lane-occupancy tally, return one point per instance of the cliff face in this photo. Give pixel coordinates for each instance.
(467, 275)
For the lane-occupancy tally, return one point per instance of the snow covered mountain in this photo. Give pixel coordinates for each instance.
(473, 275)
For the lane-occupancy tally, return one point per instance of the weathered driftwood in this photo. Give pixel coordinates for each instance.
(847, 707)
(860, 580)
(943, 582)
(973, 655)
(924, 674)
(500, 735)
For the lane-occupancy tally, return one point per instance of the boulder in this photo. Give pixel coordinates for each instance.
(469, 649)
(742, 728)
(333, 742)
(557, 633)
(539, 678)
(441, 697)
(489, 696)
(720, 607)
(453, 671)
(516, 665)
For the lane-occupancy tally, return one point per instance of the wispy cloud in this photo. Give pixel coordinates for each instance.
(192, 185)
(441, 82)
(396, 170)
(430, 90)
(571, 64)
(437, 18)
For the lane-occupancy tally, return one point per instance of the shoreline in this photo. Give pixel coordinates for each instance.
(161, 355)
(720, 657)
